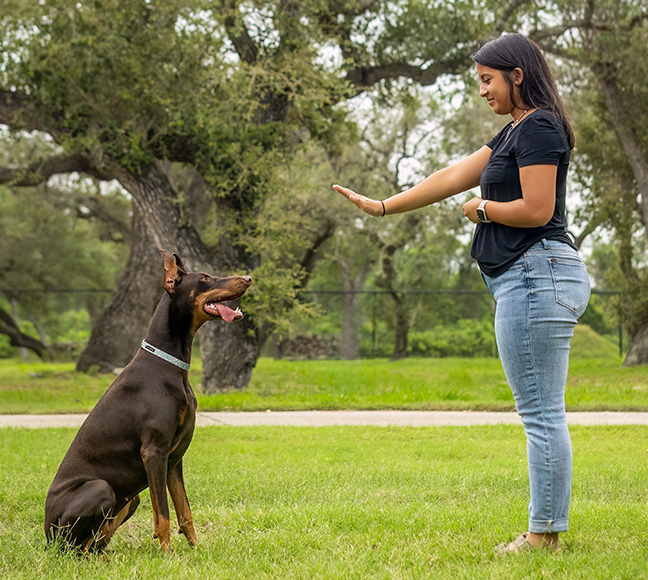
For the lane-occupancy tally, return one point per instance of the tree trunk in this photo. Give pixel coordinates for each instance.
(401, 329)
(632, 147)
(24, 351)
(638, 160)
(229, 354)
(401, 319)
(638, 352)
(117, 333)
(229, 351)
(350, 330)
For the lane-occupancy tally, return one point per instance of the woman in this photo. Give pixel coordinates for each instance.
(527, 260)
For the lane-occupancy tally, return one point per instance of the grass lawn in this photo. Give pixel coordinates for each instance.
(348, 502)
(434, 384)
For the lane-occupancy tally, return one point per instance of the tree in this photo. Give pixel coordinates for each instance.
(609, 39)
(35, 235)
(227, 89)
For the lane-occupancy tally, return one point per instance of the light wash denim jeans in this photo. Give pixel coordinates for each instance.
(539, 300)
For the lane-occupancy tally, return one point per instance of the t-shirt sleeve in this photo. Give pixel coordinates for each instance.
(540, 142)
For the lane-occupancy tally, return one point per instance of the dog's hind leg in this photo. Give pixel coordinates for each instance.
(82, 514)
(111, 524)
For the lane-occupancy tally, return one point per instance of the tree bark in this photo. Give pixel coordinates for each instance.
(117, 333)
(16, 338)
(401, 330)
(229, 351)
(638, 352)
(229, 354)
(633, 149)
(350, 329)
(636, 155)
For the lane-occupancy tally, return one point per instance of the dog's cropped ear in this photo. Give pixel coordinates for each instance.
(181, 266)
(173, 271)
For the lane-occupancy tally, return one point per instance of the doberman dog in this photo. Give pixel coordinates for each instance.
(137, 434)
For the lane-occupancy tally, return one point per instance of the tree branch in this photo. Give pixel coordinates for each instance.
(587, 23)
(40, 171)
(238, 34)
(502, 22)
(15, 113)
(308, 260)
(17, 338)
(364, 78)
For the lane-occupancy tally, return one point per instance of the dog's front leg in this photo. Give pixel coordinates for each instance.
(155, 463)
(181, 503)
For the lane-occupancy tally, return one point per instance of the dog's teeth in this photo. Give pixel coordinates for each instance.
(238, 310)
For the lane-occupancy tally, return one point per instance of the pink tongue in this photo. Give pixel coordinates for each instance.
(227, 314)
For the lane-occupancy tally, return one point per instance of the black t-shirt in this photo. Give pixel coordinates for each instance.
(540, 139)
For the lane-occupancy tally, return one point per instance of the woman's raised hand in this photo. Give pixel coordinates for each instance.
(373, 207)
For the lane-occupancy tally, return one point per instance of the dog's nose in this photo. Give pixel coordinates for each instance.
(248, 279)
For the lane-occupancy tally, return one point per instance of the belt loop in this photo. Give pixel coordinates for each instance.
(545, 243)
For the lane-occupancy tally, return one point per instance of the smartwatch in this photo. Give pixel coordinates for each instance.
(481, 212)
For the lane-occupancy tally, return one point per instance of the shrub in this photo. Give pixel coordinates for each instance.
(466, 338)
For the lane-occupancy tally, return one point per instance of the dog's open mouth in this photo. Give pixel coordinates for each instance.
(214, 308)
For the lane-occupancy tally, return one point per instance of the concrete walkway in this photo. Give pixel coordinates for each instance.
(330, 418)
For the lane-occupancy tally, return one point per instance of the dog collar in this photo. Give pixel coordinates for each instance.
(166, 356)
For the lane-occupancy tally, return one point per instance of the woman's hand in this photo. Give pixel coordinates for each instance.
(470, 209)
(373, 207)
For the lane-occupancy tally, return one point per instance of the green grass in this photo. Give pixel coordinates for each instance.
(439, 384)
(348, 502)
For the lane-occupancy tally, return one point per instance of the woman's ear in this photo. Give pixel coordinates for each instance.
(517, 76)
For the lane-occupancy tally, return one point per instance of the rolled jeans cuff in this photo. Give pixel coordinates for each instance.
(549, 526)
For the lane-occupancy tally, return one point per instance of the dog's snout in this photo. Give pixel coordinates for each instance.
(247, 279)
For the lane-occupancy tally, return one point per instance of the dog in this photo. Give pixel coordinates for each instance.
(137, 434)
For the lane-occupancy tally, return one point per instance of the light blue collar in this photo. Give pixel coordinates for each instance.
(166, 356)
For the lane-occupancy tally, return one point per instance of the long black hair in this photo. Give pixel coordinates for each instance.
(538, 88)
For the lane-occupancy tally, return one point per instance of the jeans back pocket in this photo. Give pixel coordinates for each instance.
(571, 283)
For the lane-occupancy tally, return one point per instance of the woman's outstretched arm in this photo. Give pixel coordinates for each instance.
(442, 184)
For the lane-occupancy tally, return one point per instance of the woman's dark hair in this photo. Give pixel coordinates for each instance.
(538, 88)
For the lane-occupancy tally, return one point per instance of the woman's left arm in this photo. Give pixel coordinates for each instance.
(534, 209)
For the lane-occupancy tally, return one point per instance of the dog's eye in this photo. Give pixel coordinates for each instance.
(205, 278)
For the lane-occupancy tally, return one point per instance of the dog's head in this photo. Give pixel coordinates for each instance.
(203, 294)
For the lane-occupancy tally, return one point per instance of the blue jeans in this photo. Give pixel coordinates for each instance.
(539, 300)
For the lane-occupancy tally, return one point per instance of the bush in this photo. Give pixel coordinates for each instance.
(6, 350)
(466, 338)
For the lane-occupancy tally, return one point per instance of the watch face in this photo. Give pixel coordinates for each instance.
(480, 214)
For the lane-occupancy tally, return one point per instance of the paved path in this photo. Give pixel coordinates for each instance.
(329, 418)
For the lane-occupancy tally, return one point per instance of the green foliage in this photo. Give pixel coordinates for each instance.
(466, 338)
(6, 350)
(612, 141)
(35, 239)
(119, 72)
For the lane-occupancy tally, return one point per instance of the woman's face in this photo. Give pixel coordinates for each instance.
(496, 90)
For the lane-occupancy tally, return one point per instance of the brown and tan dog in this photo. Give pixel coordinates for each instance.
(138, 432)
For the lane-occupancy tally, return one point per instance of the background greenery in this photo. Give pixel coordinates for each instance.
(265, 104)
(596, 382)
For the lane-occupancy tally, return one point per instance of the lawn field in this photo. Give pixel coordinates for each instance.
(348, 503)
(434, 384)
